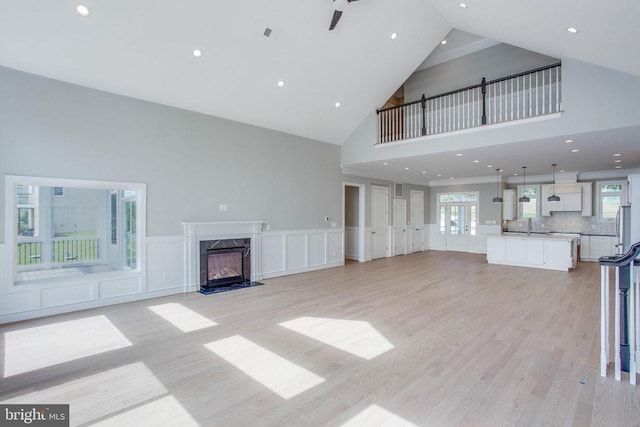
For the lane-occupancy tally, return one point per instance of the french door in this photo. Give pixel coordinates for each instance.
(458, 224)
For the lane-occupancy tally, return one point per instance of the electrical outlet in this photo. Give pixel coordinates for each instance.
(165, 276)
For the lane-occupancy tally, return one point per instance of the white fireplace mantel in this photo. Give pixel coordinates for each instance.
(195, 232)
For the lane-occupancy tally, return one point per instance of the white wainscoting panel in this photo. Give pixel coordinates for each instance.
(119, 287)
(287, 252)
(283, 253)
(334, 248)
(165, 266)
(69, 294)
(317, 249)
(273, 254)
(436, 240)
(367, 244)
(296, 251)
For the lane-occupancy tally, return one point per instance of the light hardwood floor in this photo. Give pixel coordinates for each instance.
(440, 339)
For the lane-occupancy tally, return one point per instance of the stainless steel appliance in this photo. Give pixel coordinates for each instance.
(623, 229)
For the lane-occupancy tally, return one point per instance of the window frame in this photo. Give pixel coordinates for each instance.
(623, 193)
(11, 209)
(520, 193)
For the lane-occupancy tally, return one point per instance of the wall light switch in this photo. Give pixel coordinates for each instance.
(222, 208)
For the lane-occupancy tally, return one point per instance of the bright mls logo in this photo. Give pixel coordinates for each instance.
(34, 415)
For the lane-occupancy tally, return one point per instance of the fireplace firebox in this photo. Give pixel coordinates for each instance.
(224, 262)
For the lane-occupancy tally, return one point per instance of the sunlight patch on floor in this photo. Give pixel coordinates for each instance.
(182, 317)
(29, 349)
(353, 336)
(101, 394)
(162, 412)
(274, 372)
(376, 416)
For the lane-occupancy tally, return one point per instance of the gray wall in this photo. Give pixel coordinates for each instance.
(351, 206)
(190, 162)
(494, 62)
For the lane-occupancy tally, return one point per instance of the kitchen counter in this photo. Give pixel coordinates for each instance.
(550, 252)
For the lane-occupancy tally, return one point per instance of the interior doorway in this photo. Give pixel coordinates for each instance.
(353, 220)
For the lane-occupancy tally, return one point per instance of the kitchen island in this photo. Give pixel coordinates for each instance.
(534, 250)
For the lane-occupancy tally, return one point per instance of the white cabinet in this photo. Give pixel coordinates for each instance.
(509, 204)
(593, 247)
(524, 251)
(556, 255)
(552, 253)
(496, 250)
(570, 198)
(602, 246)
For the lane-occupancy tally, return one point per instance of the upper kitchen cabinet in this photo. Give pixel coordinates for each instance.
(509, 204)
(571, 198)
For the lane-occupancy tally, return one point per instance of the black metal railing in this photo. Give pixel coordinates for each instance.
(61, 251)
(519, 96)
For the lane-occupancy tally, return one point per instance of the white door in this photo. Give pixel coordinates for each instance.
(400, 226)
(417, 221)
(379, 221)
(458, 223)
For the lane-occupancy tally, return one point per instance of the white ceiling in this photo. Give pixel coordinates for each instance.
(143, 49)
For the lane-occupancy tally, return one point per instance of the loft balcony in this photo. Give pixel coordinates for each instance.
(533, 93)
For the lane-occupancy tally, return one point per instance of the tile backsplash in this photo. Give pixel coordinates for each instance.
(566, 221)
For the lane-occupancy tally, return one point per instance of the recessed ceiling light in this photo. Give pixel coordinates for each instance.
(82, 10)
(338, 104)
(572, 30)
(489, 166)
(394, 36)
(385, 163)
(280, 83)
(568, 141)
(424, 171)
(515, 174)
(617, 161)
(439, 174)
(443, 42)
(450, 177)
(575, 150)
(562, 171)
(462, 5)
(459, 154)
(197, 53)
(617, 155)
(406, 169)
(476, 161)
(618, 167)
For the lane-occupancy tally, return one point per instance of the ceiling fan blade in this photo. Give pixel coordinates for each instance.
(334, 21)
(351, 0)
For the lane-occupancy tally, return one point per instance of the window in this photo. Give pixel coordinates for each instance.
(64, 227)
(529, 209)
(610, 196)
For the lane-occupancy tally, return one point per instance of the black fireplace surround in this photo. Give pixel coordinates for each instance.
(224, 262)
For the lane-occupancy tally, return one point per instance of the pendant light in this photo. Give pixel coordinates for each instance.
(497, 199)
(553, 197)
(524, 198)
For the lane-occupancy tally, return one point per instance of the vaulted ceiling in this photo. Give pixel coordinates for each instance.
(144, 49)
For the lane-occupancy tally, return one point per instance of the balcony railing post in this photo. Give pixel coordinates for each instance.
(483, 86)
(423, 103)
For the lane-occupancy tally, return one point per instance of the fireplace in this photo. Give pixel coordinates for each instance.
(224, 262)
